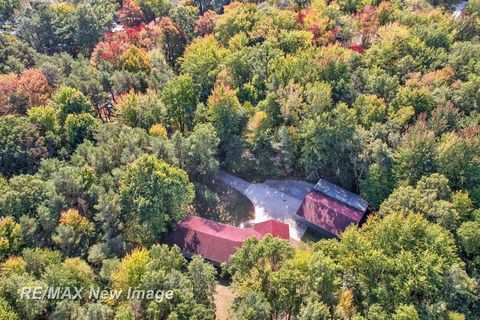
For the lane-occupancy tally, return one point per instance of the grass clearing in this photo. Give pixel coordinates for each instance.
(233, 207)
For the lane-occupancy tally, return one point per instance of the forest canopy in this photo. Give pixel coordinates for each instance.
(116, 118)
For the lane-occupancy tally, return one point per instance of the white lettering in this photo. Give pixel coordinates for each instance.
(37, 293)
(25, 293)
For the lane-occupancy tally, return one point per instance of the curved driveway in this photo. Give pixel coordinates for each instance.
(273, 199)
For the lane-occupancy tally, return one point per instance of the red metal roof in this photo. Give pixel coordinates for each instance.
(217, 241)
(275, 228)
(328, 213)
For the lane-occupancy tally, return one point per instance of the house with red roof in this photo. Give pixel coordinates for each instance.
(217, 241)
(330, 209)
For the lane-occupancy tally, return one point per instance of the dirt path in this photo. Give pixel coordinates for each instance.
(273, 199)
(223, 302)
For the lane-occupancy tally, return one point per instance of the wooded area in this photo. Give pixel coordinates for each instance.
(117, 116)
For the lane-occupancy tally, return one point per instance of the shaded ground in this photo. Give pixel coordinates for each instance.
(311, 236)
(234, 208)
(273, 199)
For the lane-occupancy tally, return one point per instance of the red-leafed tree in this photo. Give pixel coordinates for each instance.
(206, 23)
(109, 50)
(115, 44)
(131, 14)
(368, 22)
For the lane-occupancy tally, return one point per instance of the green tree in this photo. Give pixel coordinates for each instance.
(406, 312)
(65, 27)
(6, 311)
(203, 277)
(415, 155)
(73, 233)
(15, 55)
(252, 306)
(228, 118)
(180, 98)
(70, 101)
(329, 146)
(313, 309)
(431, 197)
(44, 118)
(201, 150)
(420, 98)
(39, 259)
(237, 18)
(21, 146)
(115, 146)
(202, 61)
(135, 59)
(285, 149)
(469, 242)
(154, 8)
(78, 128)
(370, 109)
(252, 265)
(131, 269)
(40, 27)
(154, 197)
(91, 21)
(140, 110)
(87, 79)
(185, 16)
(457, 159)
(173, 40)
(377, 185)
(72, 272)
(8, 8)
(23, 195)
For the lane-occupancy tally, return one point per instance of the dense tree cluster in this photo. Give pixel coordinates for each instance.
(391, 266)
(159, 268)
(116, 117)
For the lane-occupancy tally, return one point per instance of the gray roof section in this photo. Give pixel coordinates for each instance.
(336, 192)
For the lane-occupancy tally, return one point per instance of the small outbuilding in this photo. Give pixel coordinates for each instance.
(330, 209)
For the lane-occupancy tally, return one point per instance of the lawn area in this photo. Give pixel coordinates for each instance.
(233, 208)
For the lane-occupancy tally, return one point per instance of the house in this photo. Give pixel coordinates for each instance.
(217, 241)
(330, 209)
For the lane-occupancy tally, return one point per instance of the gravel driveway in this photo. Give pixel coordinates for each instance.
(273, 199)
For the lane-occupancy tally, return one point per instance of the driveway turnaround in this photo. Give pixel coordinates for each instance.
(273, 199)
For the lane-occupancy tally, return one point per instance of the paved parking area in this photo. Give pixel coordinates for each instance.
(273, 199)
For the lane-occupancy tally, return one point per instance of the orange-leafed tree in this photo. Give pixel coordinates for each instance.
(33, 84)
(8, 85)
(173, 40)
(18, 93)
